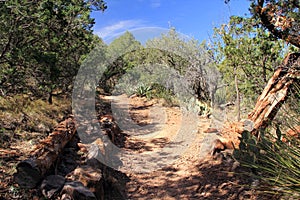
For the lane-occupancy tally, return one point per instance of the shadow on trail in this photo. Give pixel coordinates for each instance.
(141, 146)
(141, 107)
(208, 180)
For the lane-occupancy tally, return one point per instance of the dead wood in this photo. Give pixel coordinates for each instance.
(270, 101)
(275, 93)
(32, 170)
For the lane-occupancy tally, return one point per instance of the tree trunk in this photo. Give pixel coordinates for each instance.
(31, 171)
(50, 101)
(275, 93)
(238, 102)
(269, 102)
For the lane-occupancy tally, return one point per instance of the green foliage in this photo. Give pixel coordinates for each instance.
(280, 17)
(173, 66)
(274, 157)
(121, 54)
(144, 90)
(274, 163)
(42, 43)
(123, 45)
(204, 109)
(194, 105)
(187, 57)
(248, 148)
(243, 48)
(160, 91)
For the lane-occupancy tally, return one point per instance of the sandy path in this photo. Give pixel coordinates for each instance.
(153, 173)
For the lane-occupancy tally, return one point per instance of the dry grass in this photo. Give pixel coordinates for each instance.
(23, 122)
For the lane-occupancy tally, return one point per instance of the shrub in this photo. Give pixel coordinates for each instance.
(144, 90)
(274, 163)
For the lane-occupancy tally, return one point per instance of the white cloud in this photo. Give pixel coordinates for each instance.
(121, 26)
(155, 3)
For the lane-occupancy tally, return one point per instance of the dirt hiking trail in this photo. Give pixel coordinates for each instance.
(192, 173)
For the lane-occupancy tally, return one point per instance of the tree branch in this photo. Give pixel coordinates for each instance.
(266, 22)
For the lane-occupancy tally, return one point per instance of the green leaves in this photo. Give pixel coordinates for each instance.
(144, 90)
(44, 40)
(124, 44)
(280, 17)
(274, 163)
(242, 45)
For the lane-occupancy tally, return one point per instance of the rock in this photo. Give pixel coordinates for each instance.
(235, 165)
(218, 146)
(76, 190)
(248, 125)
(51, 185)
(66, 197)
(90, 177)
(42, 128)
(211, 130)
(208, 144)
(97, 150)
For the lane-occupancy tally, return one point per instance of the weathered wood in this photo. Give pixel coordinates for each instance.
(292, 133)
(31, 171)
(275, 93)
(269, 102)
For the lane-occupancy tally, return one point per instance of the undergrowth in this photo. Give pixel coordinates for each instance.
(20, 115)
(274, 156)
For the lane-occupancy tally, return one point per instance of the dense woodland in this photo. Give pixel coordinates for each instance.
(44, 43)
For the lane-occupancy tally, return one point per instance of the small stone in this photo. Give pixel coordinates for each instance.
(211, 130)
(66, 197)
(235, 165)
(248, 125)
(89, 177)
(42, 128)
(51, 185)
(77, 191)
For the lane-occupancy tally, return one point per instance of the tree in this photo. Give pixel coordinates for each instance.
(124, 44)
(187, 56)
(120, 53)
(42, 43)
(246, 54)
(257, 151)
(280, 17)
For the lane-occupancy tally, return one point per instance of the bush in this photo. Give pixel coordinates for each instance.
(274, 163)
(144, 90)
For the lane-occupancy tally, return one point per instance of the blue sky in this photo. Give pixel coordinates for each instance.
(147, 18)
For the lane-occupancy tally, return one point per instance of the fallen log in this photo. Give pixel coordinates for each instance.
(32, 170)
(275, 93)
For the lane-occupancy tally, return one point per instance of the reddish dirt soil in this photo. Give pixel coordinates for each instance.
(195, 174)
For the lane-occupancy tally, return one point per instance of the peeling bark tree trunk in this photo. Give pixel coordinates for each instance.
(275, 93)
(31, 171)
